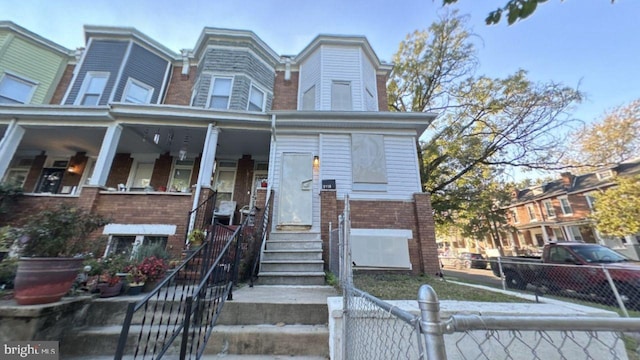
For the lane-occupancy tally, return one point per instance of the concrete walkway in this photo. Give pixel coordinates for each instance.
(284, 294)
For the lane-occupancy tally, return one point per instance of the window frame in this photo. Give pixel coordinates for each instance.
(604, 174)
(334, 101)
(264, 98)
(135, 168)
(514, 215)
(178, 165)
(85, 86)
(210, 92)
(562, 205)
(591, 201)
(135, 82)
(531, 211)
(549, 209)
(19, 79)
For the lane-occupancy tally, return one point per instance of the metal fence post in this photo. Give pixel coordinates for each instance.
(430, 323)
(615, 291)
(502, 279)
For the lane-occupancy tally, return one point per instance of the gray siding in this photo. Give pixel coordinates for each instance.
(245, 68)
(145, 66)
(102, 55)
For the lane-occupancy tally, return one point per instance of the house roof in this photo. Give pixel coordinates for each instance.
(129, 33)
(580, 183)
(209, 33)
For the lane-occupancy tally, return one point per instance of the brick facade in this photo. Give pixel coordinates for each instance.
(244, 178)
(162, 172)
(383, 101)
(181, 86)
(120, 168)
(285, 92)
(64, 83)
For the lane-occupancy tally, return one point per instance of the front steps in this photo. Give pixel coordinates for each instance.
(263, 322)
(292, 258)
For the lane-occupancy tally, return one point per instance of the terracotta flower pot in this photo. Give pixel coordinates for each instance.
(44, 280)
(109, 291)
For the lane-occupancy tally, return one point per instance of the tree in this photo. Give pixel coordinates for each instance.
(617, 209)
(483, 121)
(613, 139)
(515, 9)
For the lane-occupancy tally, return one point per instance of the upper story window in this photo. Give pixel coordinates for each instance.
(256, 99)
(604, 174)
(92, 88)
(591, 201)
(15, 90)
(137, 92)
(566, 206)
(341, 96)
(181, 176)
(548, 206)
(532, 213)
(514, 216)
(309, 99)
(220, 93)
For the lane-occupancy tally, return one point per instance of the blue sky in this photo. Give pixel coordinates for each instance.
(590, 43)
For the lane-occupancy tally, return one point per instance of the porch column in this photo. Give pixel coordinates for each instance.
(545, 236)
(105, 157)
(208, 156)
(9, 145)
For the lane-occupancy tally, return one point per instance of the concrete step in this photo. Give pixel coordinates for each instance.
(291, 278)
(293, 244)
(292, 265)
(294, 235)
(291, 254)
(279, 339)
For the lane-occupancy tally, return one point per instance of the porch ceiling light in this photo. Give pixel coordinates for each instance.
(156, 137)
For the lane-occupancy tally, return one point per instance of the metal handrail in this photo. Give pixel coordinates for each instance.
(263, 235)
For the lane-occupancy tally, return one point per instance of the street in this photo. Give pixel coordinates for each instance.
(478, 276)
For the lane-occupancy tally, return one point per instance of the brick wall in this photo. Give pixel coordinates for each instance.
(34, 173)
(78, 163)
(120, 168)
(285, 92)
(244, 178)
(161, 171)
(180, 86)
(383, 101)
(64, 83)
(413, 215)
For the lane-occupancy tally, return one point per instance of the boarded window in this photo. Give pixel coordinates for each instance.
(341, 96)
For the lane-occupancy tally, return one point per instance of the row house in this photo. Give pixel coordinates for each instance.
(559, 211)
(133, 130)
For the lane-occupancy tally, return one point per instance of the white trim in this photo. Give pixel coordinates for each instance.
(141, 84)
(85, 84)
(560, 198)
(546, 209)
(139, 229)
(165, 81)
(76, 73)
(21, 79)
(210, 92)
(125, 60)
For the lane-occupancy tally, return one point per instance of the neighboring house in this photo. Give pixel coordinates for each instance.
(144, 135)
(559, 211)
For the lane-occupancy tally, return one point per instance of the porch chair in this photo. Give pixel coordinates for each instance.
(226, 210)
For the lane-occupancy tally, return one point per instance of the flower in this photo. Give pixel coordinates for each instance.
(153, 268)
(135, 274)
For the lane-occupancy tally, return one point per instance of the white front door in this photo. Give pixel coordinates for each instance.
(296, 190)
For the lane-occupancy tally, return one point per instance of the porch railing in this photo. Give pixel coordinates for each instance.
(263, 236)
(202, 216)
(186, 303)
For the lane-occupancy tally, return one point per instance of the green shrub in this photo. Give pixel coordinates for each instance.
(8, 268)
(148, 250)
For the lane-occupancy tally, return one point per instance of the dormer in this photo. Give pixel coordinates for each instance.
(604, 174)
(235, 71)
(340, 73)
(120, 65)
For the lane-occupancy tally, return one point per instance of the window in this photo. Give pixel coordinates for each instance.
(341, 96)
(604, 174)
(575, 233)
(559, 234)
(566, 206)
(137, 92)
(14, 90)
(220, 93)
(225, 181)
(532, 213)
(514, 215)
(142, 176)
(256, 99)
(548, 206)
(591, 201)
(181, 177)
(92, 88)
(309, 99)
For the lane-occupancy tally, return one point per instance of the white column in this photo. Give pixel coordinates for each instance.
(545, 236)
(9, 145)
(206, 166)
(106, 155)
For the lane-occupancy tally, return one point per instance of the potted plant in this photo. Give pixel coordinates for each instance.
(110, 281)
(154, 269)
(196, 238)
(51, 244)
(136, 279)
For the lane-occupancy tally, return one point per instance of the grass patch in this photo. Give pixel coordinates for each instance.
(405, 287)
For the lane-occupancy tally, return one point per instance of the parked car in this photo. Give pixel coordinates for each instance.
(470, 260)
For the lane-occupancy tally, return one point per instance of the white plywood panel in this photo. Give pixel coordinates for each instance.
(381, 248)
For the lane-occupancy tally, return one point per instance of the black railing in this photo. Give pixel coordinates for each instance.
(186, 303)
(202, 216)
(258, 246)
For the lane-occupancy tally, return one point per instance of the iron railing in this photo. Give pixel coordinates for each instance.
(202, 216)
(186, 303)
(262, 237)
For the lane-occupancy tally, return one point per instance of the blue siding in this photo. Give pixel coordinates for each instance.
(101, 55)
(145, 66)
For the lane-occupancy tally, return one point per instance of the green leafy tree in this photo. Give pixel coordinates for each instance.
(515, 10)
(617, 209)
(613, 139)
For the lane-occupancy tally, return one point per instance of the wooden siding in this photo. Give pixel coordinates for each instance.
(340, 63)
(310, 72)
(403, 175)
(369, 81)
(34, 63)
(335, 161)
(103, 56)
(145, 66)
(3, 37)
(296, 144)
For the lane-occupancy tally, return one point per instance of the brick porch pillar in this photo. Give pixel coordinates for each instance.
(426, 235)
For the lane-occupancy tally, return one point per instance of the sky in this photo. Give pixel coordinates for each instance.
(591, 45)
